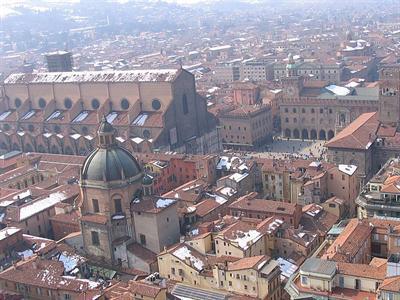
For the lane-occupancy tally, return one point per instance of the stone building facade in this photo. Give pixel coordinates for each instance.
(312, 110)
(60, 112)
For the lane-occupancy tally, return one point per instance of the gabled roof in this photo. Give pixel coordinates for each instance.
(360, 134)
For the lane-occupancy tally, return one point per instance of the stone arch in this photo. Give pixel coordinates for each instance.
(304, 134)
(313, 134)
(28, 148)
(68, 150)
(331, 134)
(16, 147)
(288, 133)
(41, 148)
(296, 134)
(54, 149)
(322, 134)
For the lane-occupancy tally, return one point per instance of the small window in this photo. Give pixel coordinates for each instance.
(95, 203)
(95, 104)
(124, 103)
(118, 205)
(142, 239)
(146, 134)
(95, 238)
(156, 104)
(31, 128)
(17, 102)
(67, 103)
(185, 106)
(304, 280)
(42, 103)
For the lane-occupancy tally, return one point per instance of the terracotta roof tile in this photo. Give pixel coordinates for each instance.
(358, 135)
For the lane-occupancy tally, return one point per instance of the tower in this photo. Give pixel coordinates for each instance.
(292, 83)
(389, 95)
(110, 180)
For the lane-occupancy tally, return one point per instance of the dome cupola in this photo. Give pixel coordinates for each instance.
(109, 163)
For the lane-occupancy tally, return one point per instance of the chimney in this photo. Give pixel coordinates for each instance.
(188, 261)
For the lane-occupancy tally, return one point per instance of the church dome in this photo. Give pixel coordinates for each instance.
(110, 162)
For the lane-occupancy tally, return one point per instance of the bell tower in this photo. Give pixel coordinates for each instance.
(389, 95)
(292, 83)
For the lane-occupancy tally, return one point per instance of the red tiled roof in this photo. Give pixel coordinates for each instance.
(358, 135)
(248, 263)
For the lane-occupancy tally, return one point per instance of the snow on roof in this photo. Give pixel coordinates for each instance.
(34, 207)
(111, 117)
(347, 169)
(338, 90)
(287, 268)
(23, 195)
(75, 136)
(314, 211)
(8, 231)
(82, 116)
(315, 164)
(4, 115)
(70, 261)
(137, 140)
(227, 191)
(140, 119)
(28, 115)
(162, 203)
(218, 48)
(26, 253)
(352, 84)
(56, 114)
(94, 76)
(225, 162)
(184, 252)
(218, 199)
(238, 177)
(246, 239)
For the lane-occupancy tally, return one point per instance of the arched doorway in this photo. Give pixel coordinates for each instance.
(296, 134)
(3, 146)
(331, 134)
(322, 134)
(313, 134)
(304, 134)
(288, 133)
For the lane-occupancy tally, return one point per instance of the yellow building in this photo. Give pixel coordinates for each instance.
(257, 276)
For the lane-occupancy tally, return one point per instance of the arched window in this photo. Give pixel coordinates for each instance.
(42, 103)
(124, 103)
(67, 103)
(185, 106)
(95, 104)
(17, 102)
(118, 205)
